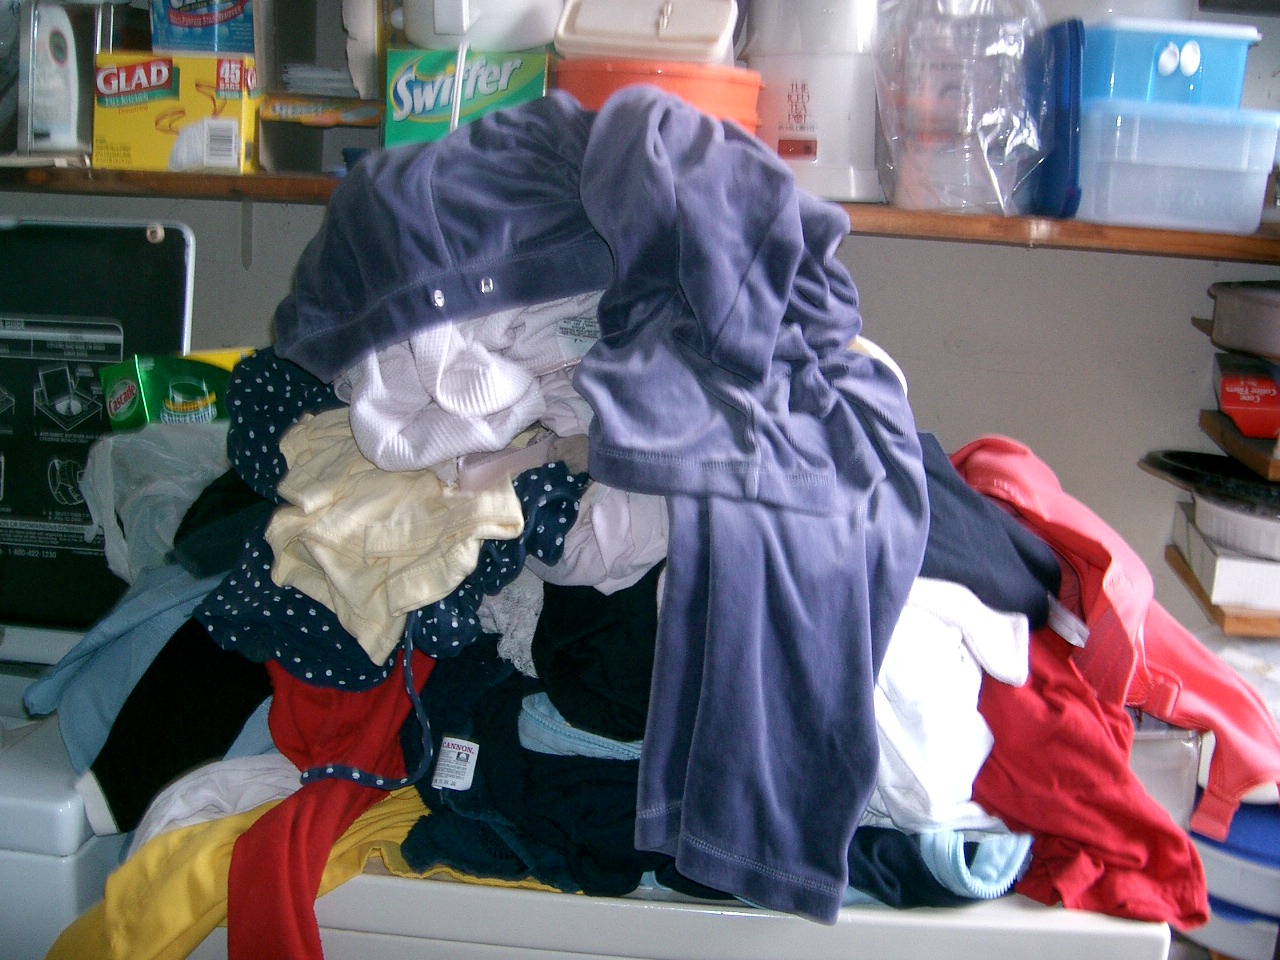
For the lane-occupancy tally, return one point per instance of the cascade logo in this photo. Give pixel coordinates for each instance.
(136, 82)
(122, 400)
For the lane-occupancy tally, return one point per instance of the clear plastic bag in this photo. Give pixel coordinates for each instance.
(963, 122)
(139, 484)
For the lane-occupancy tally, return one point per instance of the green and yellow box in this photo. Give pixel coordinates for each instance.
(166, 389)
(421, 88)
(154, 111)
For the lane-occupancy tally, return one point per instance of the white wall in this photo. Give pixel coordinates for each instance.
(1088, 358)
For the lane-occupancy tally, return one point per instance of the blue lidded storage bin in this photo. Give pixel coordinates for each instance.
(1167, 61)
(1242, 873)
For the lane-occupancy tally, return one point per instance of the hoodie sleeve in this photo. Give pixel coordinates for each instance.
(696, 207)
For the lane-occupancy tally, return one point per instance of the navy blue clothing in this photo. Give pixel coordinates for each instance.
(721, 380)
(973, 542)
(267, 395)
(887, 864)
(247, 612)
(212, 532)
(187, 709)
(594, 654)
(549, 497)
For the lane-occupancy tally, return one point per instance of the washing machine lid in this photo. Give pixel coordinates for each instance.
(40, 811)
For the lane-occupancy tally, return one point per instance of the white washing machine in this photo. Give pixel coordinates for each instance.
(52, 867)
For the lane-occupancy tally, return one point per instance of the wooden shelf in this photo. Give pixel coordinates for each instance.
(867, 219)
(272, 188)
(1258, 455)
(1035, 232)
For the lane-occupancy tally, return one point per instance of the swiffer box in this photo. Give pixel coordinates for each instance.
(422, 93)
(156, 111)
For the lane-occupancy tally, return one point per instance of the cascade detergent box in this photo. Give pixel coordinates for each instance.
(154, 111)
(164, 389)
(421, 89)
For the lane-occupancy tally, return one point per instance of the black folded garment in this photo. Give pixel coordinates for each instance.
(186, 710)
(214, 528)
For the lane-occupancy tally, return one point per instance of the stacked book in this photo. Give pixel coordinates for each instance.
(1239, 589)
(1246, 327)
(1225, 544)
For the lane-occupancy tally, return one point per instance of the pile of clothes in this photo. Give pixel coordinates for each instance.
(572, 501)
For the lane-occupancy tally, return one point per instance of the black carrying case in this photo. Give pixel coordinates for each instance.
(75, 296)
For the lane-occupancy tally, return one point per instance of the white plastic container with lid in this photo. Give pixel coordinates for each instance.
(1243, 527)
(818, 106)
(691, 31)
(1175, 166)
(1246, 316)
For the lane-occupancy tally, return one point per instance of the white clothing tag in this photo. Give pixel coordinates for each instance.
(577, 335)
(456, 764)
(1066, 624)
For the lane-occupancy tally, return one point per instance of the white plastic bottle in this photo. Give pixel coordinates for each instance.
(818, 105)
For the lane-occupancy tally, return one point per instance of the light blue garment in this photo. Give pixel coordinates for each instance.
(544, 729)
(999, 859)
(255, 736)
(89, 685)
(997, 863)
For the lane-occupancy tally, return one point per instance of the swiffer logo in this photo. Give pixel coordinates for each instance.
(136, 82)
(414, 96)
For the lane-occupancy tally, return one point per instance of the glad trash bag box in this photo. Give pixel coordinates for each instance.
(155, 111)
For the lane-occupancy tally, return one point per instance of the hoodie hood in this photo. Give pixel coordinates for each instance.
(486, 219)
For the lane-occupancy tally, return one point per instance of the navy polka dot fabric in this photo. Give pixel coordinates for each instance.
(248, 612)
(549, 498)
(266, 395)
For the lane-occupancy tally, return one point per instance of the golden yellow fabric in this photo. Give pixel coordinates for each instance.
(163, 901)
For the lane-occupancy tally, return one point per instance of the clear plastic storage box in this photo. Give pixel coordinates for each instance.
(1167, 61)
(1175, 166)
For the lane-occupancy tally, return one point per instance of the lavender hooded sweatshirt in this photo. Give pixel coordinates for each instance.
(798, 511)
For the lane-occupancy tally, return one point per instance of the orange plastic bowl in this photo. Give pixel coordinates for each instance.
(729, 93)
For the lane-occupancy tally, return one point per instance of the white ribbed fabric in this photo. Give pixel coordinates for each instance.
(471, 386)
